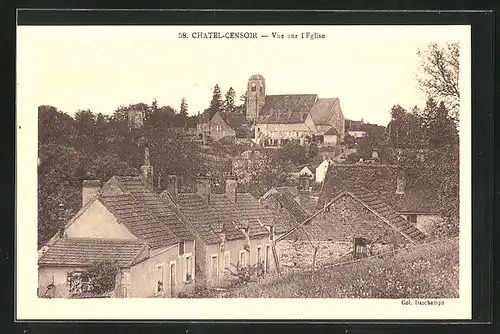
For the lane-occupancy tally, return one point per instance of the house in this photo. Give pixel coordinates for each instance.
(356, 129)
(321, 170)
(412, 191)
(219, 125)
(232, 229)
(292, 117)
(331, 137)
(126, 222)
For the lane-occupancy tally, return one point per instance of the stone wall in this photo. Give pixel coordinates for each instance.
(300, 253)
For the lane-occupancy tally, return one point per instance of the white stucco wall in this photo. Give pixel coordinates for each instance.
(98, 222)
(143, 276)
(357, 134)
(427, 222)
(57, 276)
(321, 171)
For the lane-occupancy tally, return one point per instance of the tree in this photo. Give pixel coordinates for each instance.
(243, 99)
(216, 104)
(55, 126)
(440, 130)
(229, 105)
(184, 107)
(405, 128)
(439, 74)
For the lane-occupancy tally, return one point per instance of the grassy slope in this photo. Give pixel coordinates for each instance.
(430, 271)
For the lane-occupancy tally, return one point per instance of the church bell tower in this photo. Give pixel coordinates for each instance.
(256, 96)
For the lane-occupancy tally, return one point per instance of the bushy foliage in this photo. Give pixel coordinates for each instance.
(246, 274)
(97, 279)
(430, 271)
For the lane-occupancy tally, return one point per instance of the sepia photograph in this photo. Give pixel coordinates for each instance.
(246, 163)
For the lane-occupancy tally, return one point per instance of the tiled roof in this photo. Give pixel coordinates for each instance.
(355, 125)
(287, 201)
(331, 132)
(307, 202)
(286, 109)
(85, 251)
(375, 204)
(200, 215)
(257, 214)
(155, 205)
(419, 195)
(139, 220)
(321, 111)
(234, 120)
(225, 210)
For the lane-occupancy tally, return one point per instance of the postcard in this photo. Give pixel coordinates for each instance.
(243, 172)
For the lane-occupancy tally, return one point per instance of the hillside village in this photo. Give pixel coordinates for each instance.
(184, 206)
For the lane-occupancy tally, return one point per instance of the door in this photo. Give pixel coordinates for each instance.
(268, 258)
(172, 280)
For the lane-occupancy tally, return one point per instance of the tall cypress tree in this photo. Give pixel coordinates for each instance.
(216, 104)
(229, 102)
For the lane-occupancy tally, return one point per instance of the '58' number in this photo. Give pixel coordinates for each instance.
(182, 35)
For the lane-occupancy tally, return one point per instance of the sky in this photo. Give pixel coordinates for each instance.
(100, 68)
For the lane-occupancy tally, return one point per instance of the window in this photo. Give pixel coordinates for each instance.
(227, 259)
(261, 89)
(258, 129)
(271, 233)
(182, 247)
(218, 128)
(259, 255)
(214, 269)
(412, 218)
(243, 258)
(159, 278)
(124, 292)
(126, 278)
(254, 88)
(188, 270)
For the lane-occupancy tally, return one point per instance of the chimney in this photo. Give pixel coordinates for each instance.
(173, 185)
(90, 189)
(204, 187)
(400, 183)
(231, 187)
(304, 182)
(147, 169)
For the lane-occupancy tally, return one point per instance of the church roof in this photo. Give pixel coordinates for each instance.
(287, 109)
(321, 111)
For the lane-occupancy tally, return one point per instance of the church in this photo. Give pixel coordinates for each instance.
(296, 118)
(274, 120)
